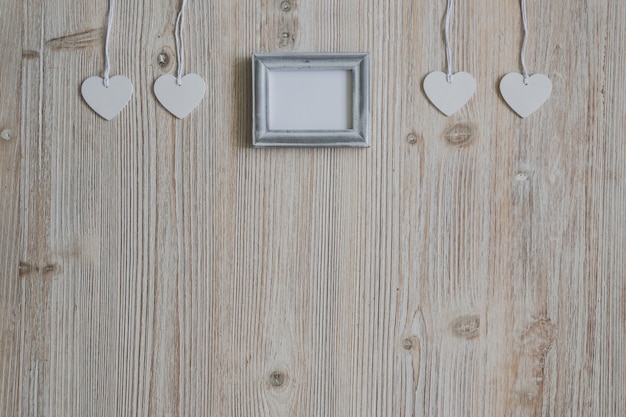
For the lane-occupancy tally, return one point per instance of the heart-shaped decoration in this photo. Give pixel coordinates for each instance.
(179, 100)
(107, 101)
(524, 99)
(449, 97)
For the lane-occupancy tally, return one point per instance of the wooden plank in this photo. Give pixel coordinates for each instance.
(468, 265)
(11, 268)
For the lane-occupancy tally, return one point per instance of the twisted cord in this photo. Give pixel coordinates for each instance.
(524, 42)
(180, 47)
(447, 42)
(107, 61)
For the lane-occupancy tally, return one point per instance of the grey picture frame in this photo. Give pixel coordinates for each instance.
(357, 63)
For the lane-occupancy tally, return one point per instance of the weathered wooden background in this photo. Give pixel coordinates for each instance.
(463, 266)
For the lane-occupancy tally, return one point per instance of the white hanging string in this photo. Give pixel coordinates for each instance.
(447, 42)
(107, 62)
(180, 47)
(523, 52)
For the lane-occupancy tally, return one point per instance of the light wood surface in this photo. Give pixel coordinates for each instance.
(463, 266)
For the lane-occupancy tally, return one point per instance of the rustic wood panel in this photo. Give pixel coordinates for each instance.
(463, 266)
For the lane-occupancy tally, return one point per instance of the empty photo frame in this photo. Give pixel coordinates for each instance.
(311, 100)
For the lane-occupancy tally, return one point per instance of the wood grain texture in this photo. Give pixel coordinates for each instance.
(462, 266)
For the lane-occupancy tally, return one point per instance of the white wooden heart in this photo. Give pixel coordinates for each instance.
(107, 101)
(179, 100)
(449, 97)
(525, 99)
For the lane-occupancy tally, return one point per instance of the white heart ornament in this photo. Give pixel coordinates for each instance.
(179, 100)
(107, 101)
(525, 99)
(449, 97)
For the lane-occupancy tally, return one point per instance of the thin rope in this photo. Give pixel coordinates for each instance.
(107, 62)
(447, 42)
(180, 47)
(523, 52)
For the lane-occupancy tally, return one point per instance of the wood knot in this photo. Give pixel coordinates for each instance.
(534, 346)
(164, 58)
(25, 268)
(51, 269)
(286, 39)
(407, 344)
(460, 134)
(30, 54)
(538, 339)
(466, 327)
(277, 379)
(410, 344)
(413, 138)
(285, 6)
(6, 134)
